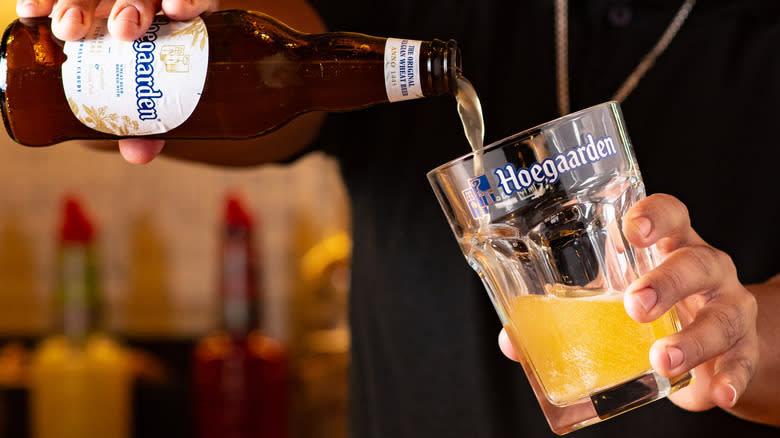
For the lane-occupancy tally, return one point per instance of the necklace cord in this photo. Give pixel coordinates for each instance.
(562, 53)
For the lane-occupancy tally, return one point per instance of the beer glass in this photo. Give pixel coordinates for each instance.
(538, 216)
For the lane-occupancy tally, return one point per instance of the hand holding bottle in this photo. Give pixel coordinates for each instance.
(127, 19)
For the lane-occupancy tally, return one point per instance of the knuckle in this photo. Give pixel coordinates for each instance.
(747, 304)
(725, 261)
(747, 364)
(705, 258)
(708, 261)
(731, 323)
(698, 349)
(751, 305)
(668, 278)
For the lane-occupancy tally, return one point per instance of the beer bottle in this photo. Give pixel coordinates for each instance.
(225, 75)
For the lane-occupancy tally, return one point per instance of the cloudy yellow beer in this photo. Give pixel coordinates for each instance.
(583, 344)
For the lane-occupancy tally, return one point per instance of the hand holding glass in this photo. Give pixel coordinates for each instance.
(539, 217)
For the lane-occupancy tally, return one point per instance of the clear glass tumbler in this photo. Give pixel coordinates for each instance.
(538, 216)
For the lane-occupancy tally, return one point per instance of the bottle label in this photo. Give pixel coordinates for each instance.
(402, 69)
(142, 87)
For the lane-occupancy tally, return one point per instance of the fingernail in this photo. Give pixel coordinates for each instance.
(643, 225)
(129, 14)
(726, 392)
(73, 15)
(646, 297)
(733, 399)
(675, 357)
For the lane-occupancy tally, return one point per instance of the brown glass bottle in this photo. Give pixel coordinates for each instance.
(335, 71)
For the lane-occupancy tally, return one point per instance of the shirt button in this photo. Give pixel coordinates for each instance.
(620, 15)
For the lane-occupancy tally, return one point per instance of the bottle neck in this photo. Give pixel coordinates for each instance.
(414, 69)
(239, 301)
(438, 62)
(440, 67)
(77, 297)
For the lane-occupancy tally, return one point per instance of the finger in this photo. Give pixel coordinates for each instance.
(734, 370)
(690, 270)
(129, 19)
(659, 219)
(186, 9)
(696, 396)
(140, 150)
(506, 346)
(718, 328)
(34, 8)
(72, 19)
(724, 387)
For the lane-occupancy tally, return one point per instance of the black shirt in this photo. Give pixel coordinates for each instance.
(425, 359)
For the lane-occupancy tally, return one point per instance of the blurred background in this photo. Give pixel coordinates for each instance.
(157, 250)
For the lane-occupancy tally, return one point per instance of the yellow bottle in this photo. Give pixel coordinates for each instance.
(321, 342)
(79, 378)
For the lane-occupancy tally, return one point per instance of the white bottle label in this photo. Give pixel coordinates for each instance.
(402, 69)
(142, 87)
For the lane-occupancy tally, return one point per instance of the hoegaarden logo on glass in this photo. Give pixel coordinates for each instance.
(511, 180)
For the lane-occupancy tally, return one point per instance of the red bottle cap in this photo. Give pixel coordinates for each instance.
(235, 214)
(76, 226)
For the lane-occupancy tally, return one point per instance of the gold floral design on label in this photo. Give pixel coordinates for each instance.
(198, 32)
(96, 118)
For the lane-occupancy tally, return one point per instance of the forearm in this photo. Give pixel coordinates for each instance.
(761, 400)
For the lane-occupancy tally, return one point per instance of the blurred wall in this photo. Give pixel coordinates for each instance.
(157, 228)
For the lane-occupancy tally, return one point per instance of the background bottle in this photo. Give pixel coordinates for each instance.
(261, 74)
(241, 381)
(79, 377)
(320, 340)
